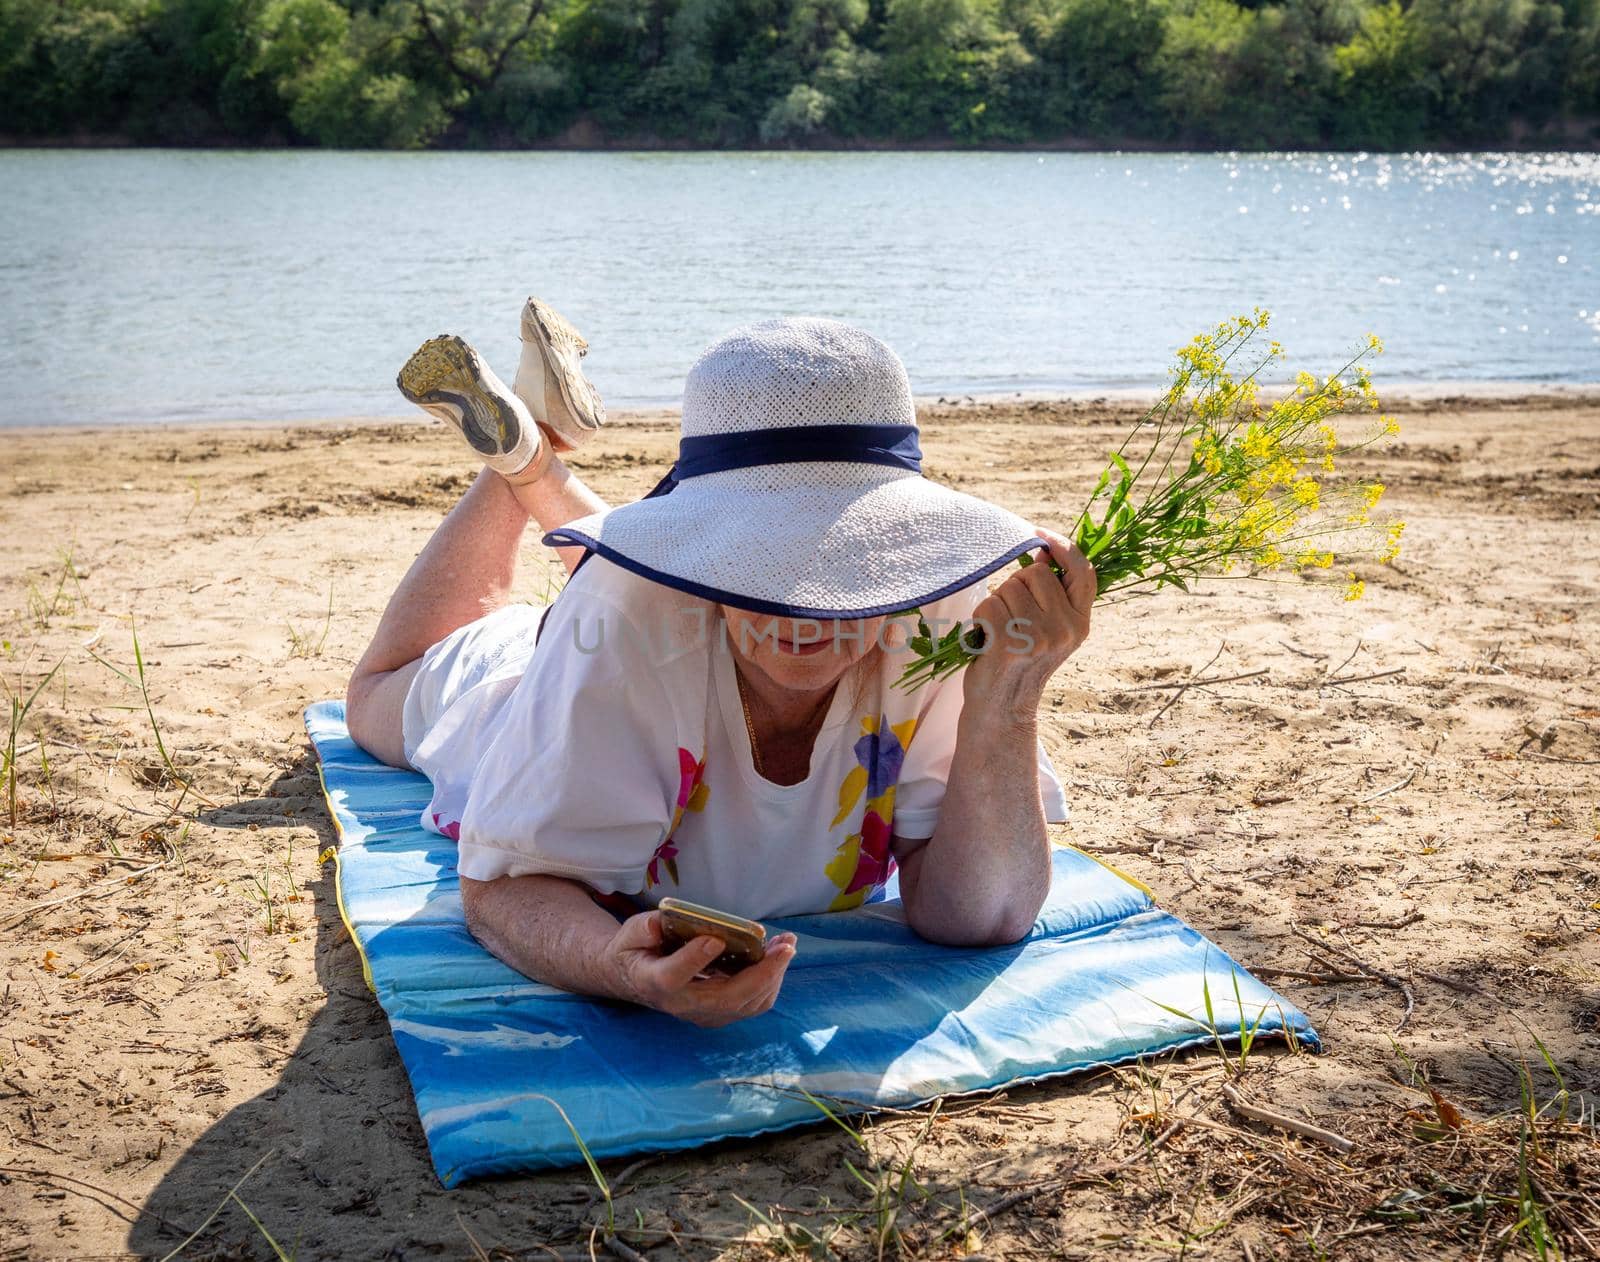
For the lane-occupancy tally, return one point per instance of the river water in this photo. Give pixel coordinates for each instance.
(164, 285)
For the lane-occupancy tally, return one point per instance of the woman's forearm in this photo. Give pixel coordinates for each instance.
(985, 873)
(548, 929)
(983, 876)
(551, 930)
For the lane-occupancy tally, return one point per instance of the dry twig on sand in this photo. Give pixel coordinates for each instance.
(1256, 1113)
(1320, 979)
(1410, 918)
(103, 889)
(1355, 961)
(1393, 788)
(1327, 675)
(627, 1254)
(1196, 680)
(1361, 679)
(1455, 983)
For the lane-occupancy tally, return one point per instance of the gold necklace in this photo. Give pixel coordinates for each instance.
(749, 724)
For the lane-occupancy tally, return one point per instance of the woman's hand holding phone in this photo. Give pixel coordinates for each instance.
(675, 983)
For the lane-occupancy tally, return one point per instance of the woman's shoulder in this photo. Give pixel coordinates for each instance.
(605, 608)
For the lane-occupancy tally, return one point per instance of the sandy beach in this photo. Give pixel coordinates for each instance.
(1392, 812)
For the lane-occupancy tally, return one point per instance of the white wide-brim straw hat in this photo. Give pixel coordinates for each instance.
(798, 488)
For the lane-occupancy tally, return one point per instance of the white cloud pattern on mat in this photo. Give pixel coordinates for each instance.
(504, 1038)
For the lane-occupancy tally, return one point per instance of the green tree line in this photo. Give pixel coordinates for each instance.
(1379, 74)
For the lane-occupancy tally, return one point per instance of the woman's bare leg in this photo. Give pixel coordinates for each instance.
(465, 572)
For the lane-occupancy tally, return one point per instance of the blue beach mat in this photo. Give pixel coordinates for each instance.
(869, 1014)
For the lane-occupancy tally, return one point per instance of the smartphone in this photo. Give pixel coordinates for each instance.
(745, 941)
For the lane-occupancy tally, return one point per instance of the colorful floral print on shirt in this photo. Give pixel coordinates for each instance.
(692, 794)
(863, 863)
(447, 827)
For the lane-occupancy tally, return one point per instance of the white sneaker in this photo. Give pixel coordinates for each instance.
(448, 379)
(550, 380)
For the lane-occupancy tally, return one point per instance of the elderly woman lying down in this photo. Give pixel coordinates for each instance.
(708, 710)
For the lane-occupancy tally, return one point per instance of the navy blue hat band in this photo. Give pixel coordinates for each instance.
(893, 445)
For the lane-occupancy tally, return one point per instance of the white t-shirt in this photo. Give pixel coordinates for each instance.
(617, 755)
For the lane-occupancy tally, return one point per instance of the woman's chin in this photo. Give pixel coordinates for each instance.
(804, 671)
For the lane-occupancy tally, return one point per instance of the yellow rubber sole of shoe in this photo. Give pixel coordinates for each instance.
(445, 370)
(440, 363)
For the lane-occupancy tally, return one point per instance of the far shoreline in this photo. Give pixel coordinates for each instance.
(579, 140)
(1459, 395)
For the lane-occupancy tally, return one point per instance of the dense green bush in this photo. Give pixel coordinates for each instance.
(408, 73)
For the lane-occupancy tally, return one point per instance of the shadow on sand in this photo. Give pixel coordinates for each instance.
(344, 1169)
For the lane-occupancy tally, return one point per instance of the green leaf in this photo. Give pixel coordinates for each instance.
(1177, 1012)
(834, 1118)
(1125, 484)
(34, 695)
(1405, 1206)
(1098, 546)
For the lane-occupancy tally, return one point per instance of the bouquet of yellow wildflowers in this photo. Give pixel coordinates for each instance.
(1212, 481)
